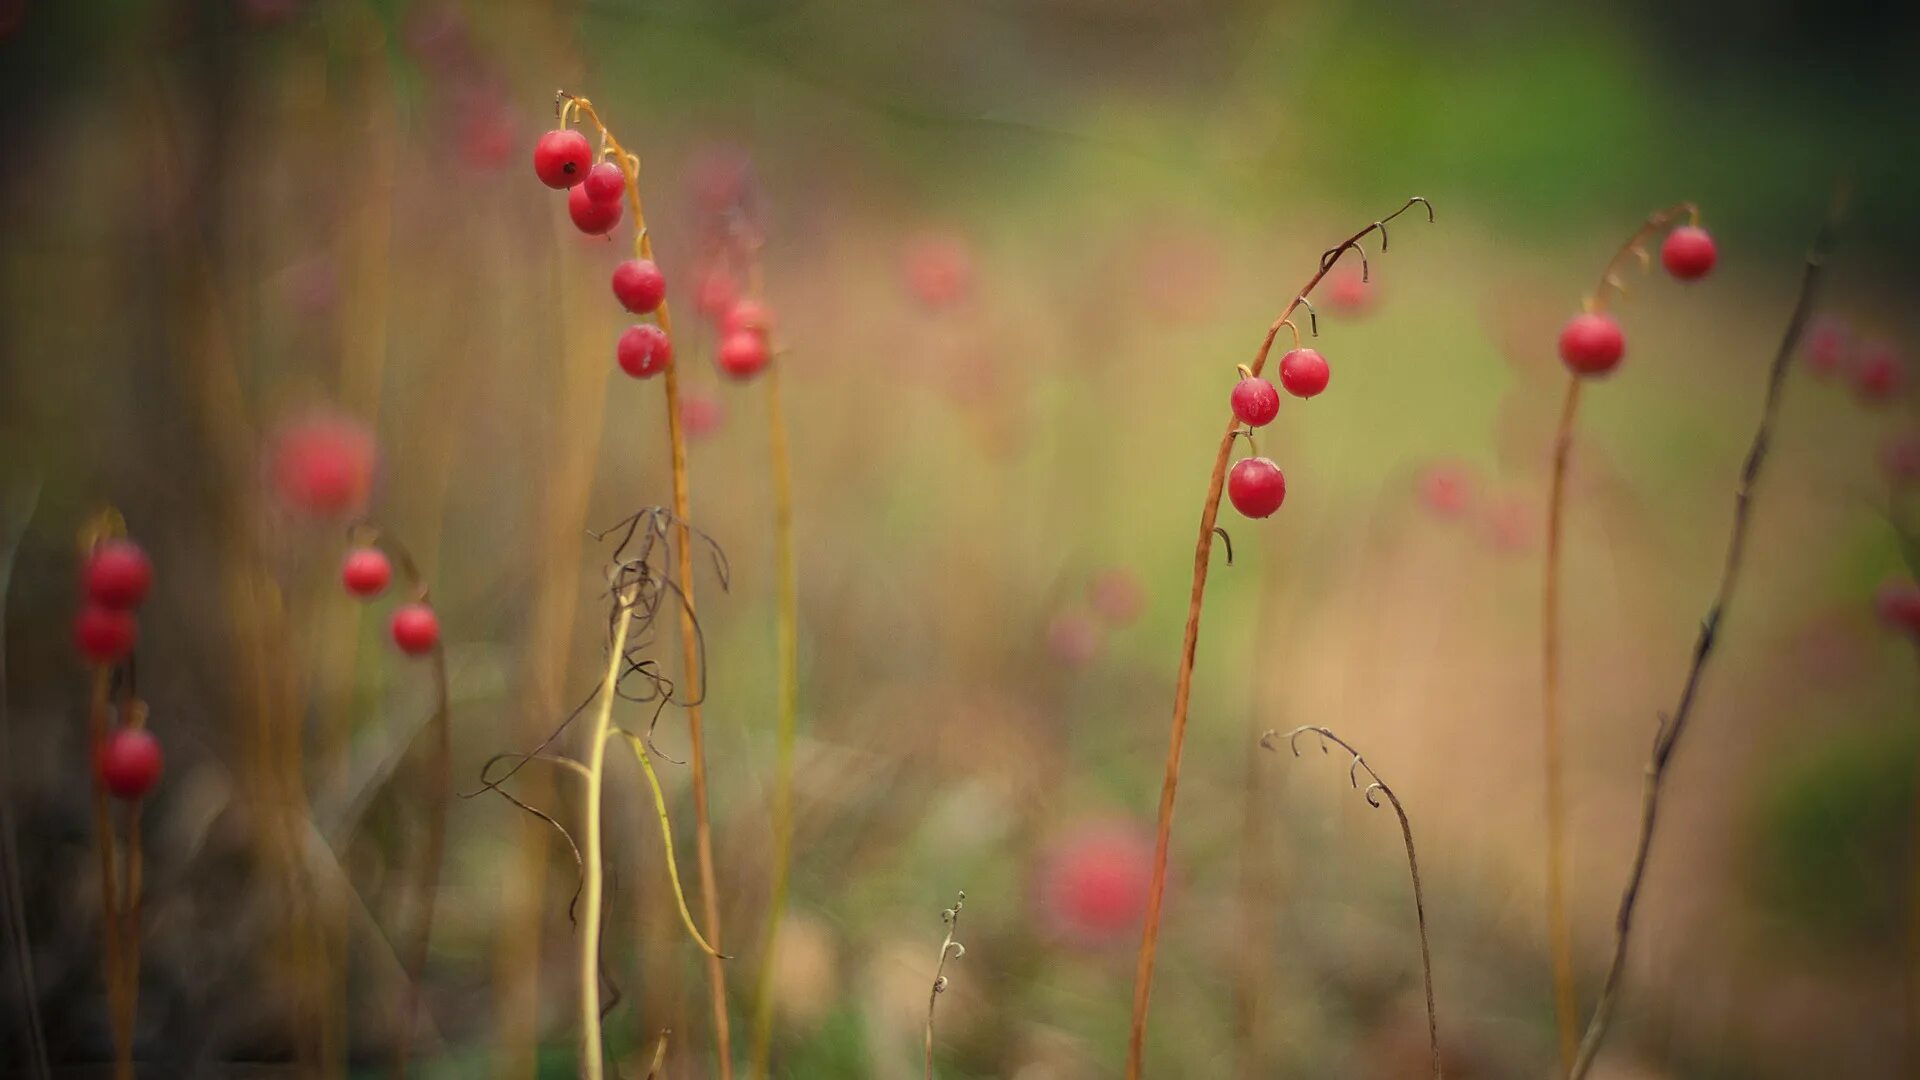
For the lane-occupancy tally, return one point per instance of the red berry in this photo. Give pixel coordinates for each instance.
(701, 413)
(1688, 253)
(1094, 881)
(1255, 401)
(1349, 292)
(1591, 343)
(716, 293)
(639, 286)
(939, 268)
(1828, 344)
(128, 762)
(366, 572)
(605, 183)
(644, 351)
(104, 635)
(561, 158)
(1879, 375)
(323, 465)
(416, 629)
(1446, 488)
(118, 574)
(592, 218)
(1898, 605)
(749, 315)
(1304, 372)
(743, 354)
(1257, 487)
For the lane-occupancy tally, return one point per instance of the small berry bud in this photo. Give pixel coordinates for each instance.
(1304, 372)
(416, 629)
(644, 351)
(104, 635)
(1257, 487)
(128, 763)
(1591, 344)
(590, 217)
(561, 158)
(366, 572)
(118, 574)
(1688, 253)
(605, 183)
(1255, 401)
(639, 286)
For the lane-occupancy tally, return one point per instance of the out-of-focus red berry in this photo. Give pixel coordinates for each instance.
(1879, 375)
(1829, 345)
(715, 294)
(1897, 603)
(366, 572)
(701, 413)
(1688, 253)
(1349, 292)
(104, 635)
(128, 762)
(938, 267)
(1591, 343)
(644, 351)
(639, 286)
(748, 315)
(718, 177)
(1257, 487)
(1116, 595)
(322, 465)
(1073, 639)
(561, 158)
(118, 574)
(1899, 457)
(742, 354)
(1446, 489)
(1255, 401)
(416, 629)
(1304, 372)
(1093, 881)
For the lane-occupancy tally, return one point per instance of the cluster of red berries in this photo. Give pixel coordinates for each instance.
(1591, 343)
(415, 628)
(113, 583)
(1256, 485)
(564, 161)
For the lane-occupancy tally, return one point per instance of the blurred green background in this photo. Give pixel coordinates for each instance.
(217, 215)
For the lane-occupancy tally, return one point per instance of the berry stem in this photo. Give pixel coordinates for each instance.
(1566, 1005)
(104, 842)
(1183, 685)
(689, 626)
(1667, 735)
(592, 873)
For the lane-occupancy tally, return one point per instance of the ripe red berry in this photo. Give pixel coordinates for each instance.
(938, 266)
(592, 218)
(416, 629)
(366, 572)
(1898, 604)
(1349, 292)
(605, 183)
(323, 465)
(118, 574)
(1879, 375)
(1093, 882)
(644, 351)
(1255, 401)
(1591, 343)
(749, 315)
(104, 635)
(1304, 372)
(128, 762)
(561, 158)
(1688, 253)
(1257, 487)
(639, 286)
(743, 354)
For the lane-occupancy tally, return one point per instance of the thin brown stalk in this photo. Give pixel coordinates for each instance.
(689, 628)
(108, 849)
(1566, 1005)
(1183, 685)
(1667, 734)
(1375, 788)
(949, 950)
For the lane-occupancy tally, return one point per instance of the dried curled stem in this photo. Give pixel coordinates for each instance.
(1667, 734)
(949, 950)
(569, 105)
(1183, 686)
(1375, 788)
(1559, 934)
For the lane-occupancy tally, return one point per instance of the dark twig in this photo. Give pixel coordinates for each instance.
(949, 950)
(1667, 735)
(1375, 788)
